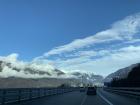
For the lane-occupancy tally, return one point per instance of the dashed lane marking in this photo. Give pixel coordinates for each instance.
(106, 100)
(83, 101)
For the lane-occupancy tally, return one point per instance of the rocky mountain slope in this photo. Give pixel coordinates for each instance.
(122, 73)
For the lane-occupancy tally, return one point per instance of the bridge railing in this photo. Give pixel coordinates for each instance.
(127, 91)
(20, 94)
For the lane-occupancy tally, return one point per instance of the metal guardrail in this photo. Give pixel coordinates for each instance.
(17, 95)
(130, 92)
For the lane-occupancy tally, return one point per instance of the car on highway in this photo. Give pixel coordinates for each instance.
(91, 91)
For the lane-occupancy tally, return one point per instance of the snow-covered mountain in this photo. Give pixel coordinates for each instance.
(122, 73)
(12, 72)
(88, 77)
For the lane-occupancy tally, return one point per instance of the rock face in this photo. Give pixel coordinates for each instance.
(134, 75)
(29, 75)
(122, 73)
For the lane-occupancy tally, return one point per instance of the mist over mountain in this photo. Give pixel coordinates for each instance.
(14, 73)
(11, 67)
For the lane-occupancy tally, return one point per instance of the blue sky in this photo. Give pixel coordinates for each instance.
(60, 31)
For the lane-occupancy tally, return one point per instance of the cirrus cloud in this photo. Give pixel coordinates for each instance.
(121, 30)
(102, 53)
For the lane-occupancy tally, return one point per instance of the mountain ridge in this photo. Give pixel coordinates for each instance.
(121, 73)
(43, 78)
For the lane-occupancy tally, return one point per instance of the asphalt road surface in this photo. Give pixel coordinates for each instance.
(80, 98)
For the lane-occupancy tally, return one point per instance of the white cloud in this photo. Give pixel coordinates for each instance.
(11, 61)
(78, 57)
(102, 53)
(10, 58)
(110, 62)
(121, 30)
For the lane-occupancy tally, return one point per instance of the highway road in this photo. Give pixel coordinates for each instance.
(80, 98)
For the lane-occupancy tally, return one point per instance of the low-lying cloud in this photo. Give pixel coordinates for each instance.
(10, 66)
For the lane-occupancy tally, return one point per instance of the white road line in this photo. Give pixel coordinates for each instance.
(105, 99)
(83, 101)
